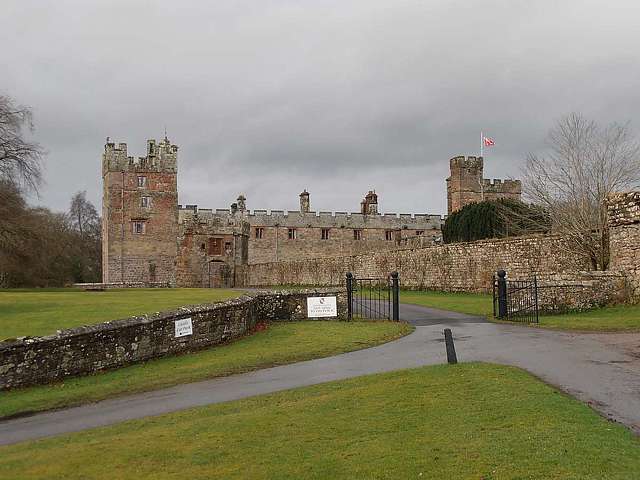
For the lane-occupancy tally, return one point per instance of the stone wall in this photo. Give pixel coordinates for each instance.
(374, 232)
(139, 192)
(581, 291)
(466, 267)
(212, 250)
(466, 184)
(624, 236)
(85, 350)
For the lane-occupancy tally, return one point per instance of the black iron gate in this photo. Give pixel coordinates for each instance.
(515, 300)
(373, 298)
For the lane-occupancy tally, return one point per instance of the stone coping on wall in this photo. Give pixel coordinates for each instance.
(184, 311)
(87, 349)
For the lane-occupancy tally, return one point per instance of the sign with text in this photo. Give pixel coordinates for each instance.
(318, 307)
(184, 327)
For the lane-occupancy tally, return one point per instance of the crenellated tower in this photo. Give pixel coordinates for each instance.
(466, 184)
(139, 214)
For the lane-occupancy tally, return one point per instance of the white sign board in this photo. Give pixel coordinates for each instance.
(318, 307)
(184, 327)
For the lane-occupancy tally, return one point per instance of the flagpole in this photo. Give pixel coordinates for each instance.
(481, 155)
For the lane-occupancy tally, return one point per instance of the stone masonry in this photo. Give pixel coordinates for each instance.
(148, 239)
(139, 214)
(463, 267)
(466, 184)
(455, 267)
(86, 350)
(624, 236)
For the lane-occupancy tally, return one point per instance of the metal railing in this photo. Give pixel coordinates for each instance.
(515, 300)
(373, 298)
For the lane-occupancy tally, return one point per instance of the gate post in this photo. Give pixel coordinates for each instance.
(535, 293)
(349, 296)
(395, 286)
(502, 294)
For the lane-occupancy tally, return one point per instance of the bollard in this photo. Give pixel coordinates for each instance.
(451, 349)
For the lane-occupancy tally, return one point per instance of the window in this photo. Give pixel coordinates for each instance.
(138, 227)
(227, 248)
(419, 232)
(357, 234)
(388, 235)
(259, 232)
(145, 202)
(293, 234)
(324, 234)
(215, 246)
(142, 182)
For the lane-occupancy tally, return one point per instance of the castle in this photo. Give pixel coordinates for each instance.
(148, 238)
(466, 184)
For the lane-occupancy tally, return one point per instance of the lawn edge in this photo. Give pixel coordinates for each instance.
(536, 326)
(263, 366)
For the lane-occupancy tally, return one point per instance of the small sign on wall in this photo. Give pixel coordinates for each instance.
(318, 307)
(184, 327)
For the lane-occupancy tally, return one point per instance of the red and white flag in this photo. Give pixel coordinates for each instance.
(488, 142)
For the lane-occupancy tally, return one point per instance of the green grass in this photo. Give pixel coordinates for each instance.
(470, 303)
(468, 421)
(281, 343)
(37, 312)
(617, 318)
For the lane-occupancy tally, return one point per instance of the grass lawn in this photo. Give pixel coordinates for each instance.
(34, 312)
(468, 421)
(281, 343)
(471, 303)
(616, 318)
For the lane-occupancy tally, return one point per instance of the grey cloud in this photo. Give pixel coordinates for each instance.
(267, 98)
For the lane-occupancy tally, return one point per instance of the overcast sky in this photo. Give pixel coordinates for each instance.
(266, 98)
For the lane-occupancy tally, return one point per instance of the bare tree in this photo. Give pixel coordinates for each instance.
(83, 215)
(585, 163)
(86, 245)
(20, 159)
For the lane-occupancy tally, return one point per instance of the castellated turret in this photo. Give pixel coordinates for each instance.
(140, 214)
(466, 184)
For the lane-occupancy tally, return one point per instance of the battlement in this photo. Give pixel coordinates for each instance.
(324, 219)
(160, 157)
(466, 184)
(502, 186)
(466, 162)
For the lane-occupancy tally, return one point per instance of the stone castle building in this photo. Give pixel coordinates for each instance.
(148, 238)
(466, 184)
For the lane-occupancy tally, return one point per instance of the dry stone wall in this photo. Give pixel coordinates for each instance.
(85, 350)
(466, 267)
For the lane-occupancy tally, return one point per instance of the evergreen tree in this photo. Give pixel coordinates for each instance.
(494, 219)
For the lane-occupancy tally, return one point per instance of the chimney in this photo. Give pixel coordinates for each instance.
(369, 206)
(241, 203)
(305, 205)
